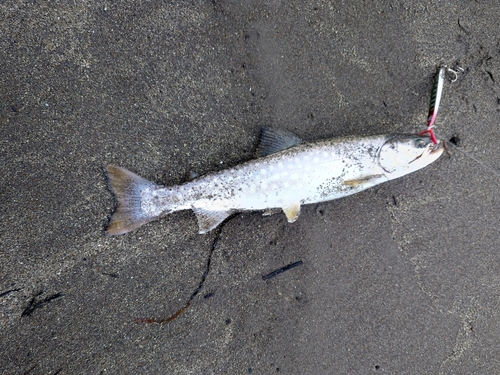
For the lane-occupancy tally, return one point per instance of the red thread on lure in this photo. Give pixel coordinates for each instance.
(437, 91)
(431, 133)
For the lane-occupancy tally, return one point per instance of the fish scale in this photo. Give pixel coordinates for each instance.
(288, 173)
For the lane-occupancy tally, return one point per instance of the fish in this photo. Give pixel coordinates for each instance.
(286, 174)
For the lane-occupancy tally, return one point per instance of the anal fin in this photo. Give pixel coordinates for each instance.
(208, 220)
(292, 212)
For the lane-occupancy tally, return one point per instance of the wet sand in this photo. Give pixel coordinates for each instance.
(400, 279)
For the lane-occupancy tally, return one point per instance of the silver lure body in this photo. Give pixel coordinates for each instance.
(285, 178)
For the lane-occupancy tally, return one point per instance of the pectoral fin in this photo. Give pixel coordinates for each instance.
(361, 181)
(292, 212)
(208, 220)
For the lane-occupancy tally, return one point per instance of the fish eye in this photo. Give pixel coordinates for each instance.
(421, 143)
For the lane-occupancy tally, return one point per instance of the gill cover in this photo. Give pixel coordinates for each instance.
(405, 153)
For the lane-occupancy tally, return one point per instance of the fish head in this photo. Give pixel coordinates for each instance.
(405, 153)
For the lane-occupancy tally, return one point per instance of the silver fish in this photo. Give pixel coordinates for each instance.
(286, 174)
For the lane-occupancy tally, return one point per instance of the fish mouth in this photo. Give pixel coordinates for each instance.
(438, 147)
(434, 149)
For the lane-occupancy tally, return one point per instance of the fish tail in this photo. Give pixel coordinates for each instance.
(129, 190)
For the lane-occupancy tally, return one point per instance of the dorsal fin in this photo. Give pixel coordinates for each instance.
(275, 140)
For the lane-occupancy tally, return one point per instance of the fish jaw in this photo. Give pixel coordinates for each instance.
(429, 156)
(405, 154)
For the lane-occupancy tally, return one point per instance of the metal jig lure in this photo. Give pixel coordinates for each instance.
(437, 91)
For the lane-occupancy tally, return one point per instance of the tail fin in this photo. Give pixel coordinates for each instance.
(128, 189)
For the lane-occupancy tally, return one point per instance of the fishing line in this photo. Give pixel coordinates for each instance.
(481, 163)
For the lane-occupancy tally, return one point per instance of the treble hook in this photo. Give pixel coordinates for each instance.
(455, 72)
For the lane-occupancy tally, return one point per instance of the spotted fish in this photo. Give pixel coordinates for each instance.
(286, 174)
